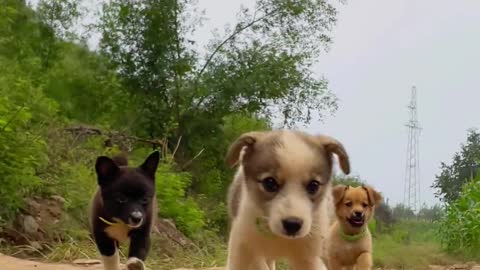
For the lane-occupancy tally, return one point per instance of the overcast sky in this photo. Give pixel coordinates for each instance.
(381, 49)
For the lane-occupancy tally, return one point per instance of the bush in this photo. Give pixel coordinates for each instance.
(23, 111)
(460, 227)
(172, 196)
(171, 193)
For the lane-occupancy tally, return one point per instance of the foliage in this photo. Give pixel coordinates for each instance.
(257, 65)
(60, 16)
(401, 211)
(463, 168)
(415, 240)
(460, 227)
(171, 189)
(23, 112)
(431, 214)
(148, 80)
(384, 216)
(353, 181)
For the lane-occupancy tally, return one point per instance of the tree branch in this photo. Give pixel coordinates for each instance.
(217, 49)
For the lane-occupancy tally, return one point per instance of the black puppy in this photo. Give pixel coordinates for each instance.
(124, 207)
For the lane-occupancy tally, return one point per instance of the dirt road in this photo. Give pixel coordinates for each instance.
(10, 263)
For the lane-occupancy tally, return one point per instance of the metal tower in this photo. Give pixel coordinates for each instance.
(412, 171)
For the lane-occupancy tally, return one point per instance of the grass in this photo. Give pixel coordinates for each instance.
(415, 255)
(410, 245)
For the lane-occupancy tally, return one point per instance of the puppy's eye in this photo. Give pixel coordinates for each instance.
(270, 184)
(365, 205)
(312, 187)
(349, 204)
(122, 199)
(144, 201)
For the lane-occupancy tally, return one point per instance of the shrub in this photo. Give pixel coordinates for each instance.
(460, 227)
(23, 111)
(172, 196)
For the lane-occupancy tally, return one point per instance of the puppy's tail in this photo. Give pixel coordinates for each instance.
(121, 159)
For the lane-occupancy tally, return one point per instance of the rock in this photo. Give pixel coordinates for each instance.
(436, 267)
(87, 262)
(34, 206)
(459, 267)
(36, 245)
(58, 199)
(476, 267)
(30, 226)
(170, 222)
(168, 229)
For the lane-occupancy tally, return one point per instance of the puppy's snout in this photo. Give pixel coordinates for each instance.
(358, 214)
(136, 217)
(292, 225)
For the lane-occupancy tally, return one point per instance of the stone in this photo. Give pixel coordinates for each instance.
(459, 267)
(59, 199)
(36, 245)
(436, 267)
(86, 262)
(30, 225)
(34, 206)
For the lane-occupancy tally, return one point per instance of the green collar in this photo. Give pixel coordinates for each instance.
(262, 226)
(353, 237)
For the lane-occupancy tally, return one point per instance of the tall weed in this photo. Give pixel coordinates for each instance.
(460, 227)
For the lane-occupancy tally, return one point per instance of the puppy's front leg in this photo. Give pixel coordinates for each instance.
(334, 264)
(364, 261)
(308, 264)
(108, 250)
(242, 258)
(271, 264)
(139, 247)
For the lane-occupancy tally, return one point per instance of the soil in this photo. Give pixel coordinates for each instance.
(10, 263)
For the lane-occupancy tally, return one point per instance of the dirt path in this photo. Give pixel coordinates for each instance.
(10, 263)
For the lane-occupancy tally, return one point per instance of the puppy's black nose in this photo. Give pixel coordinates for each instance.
(358, 214)
(136, 217)
(292, 225)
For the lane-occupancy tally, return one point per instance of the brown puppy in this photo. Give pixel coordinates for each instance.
(280, 200)
(350, 241)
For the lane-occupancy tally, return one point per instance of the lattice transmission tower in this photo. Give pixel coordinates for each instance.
(412, 171)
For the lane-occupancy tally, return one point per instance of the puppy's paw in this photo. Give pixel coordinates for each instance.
(135, 264)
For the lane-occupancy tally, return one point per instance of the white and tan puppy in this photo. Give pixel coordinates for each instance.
(280, 200)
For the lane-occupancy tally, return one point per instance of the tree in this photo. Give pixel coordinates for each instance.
(401, 211)
(353, 181)
(463, 168)
(259, 68)
(433, 213)
(384, 214)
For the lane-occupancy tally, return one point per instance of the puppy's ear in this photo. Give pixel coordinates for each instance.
(333, 146)
(106, 170)
(374, 197)
(151, 163)
(245, 140)
(339, 193)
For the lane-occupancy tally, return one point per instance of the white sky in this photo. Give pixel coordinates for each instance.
(381, 48)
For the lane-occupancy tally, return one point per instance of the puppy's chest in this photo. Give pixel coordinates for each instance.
(118, 232)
